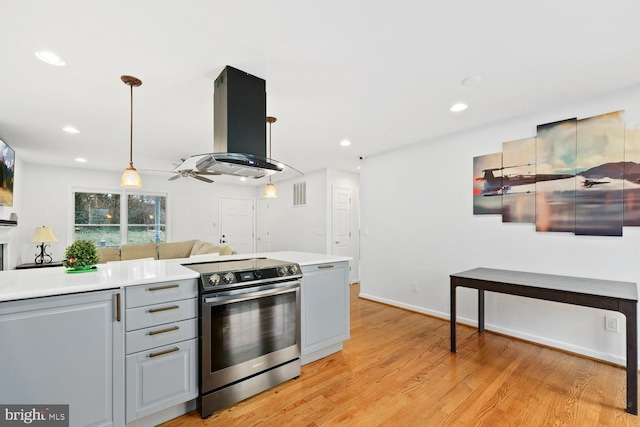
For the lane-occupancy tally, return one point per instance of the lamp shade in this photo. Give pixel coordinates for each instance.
(43, 234)
(131, 178)
(270, 191)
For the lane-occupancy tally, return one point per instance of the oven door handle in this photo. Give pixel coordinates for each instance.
(253, 295)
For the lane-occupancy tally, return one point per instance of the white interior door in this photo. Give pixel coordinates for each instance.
(263, 224)
(236, 224)
(341, 221)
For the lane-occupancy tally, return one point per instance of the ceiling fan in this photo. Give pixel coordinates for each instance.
(190, 173)
(187, 169)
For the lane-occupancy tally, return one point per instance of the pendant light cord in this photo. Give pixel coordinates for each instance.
(270, 120)
(131, 130)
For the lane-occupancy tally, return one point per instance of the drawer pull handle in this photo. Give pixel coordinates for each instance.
(156, 310)
(161, 288)
(118, 308)
(162, 331)
(161, 353)
(322, 267)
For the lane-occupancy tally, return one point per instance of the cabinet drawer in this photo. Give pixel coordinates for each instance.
(156, 293)
(158, 314)
(161, 378)
(148, 338)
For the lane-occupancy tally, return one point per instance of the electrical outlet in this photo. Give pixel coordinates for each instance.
(611, 324)
(414, 286)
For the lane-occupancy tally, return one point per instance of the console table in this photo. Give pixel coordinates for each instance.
(603, 294)
(39, 265)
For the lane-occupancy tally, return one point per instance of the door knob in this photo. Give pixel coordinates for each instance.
(337, 242)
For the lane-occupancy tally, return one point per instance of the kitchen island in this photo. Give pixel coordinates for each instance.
(65, 334)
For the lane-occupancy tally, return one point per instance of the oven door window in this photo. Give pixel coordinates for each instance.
(245, 330)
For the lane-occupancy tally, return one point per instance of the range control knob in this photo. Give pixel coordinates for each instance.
(282, 271)
(214, 279)
(257, 274)
(293, 269)
(229, 277)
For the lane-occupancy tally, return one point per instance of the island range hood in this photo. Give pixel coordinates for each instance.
(239, 129)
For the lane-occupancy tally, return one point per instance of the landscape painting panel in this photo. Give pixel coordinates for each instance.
(7, 169)
(518, 181)
(632, 175)
(555, 176)
(487, 184)
(600, 175)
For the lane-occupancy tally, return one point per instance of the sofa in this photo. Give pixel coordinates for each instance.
(182, 249)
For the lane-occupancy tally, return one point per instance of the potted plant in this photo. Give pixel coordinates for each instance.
(81, 255)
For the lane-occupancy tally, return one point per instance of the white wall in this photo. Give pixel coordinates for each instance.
(418, 226)
(300, 228)
(45, 195)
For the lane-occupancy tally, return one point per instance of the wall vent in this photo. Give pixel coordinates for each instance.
(300, 194)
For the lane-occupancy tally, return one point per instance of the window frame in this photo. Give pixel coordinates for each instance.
(124, 203)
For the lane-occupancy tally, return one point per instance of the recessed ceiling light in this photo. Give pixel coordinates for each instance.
(80, 160)
(243, 178)
(70, 129)
(470, 81)
(460, 106)
(50, 58)
(345, 143)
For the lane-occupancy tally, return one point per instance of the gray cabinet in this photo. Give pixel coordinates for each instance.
(325, 309)
(65, 350)
(161, 347)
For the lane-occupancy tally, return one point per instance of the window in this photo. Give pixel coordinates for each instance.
(97, 218)
(112, 219)
(146, 218)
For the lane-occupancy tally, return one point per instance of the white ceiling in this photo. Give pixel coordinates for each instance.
(380, 74)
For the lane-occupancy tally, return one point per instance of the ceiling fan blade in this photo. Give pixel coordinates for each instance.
(202, 178)
(174, 177)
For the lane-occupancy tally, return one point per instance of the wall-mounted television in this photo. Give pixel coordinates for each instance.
(7, 170)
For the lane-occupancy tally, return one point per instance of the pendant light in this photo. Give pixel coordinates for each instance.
(270, 191)
(130, 177)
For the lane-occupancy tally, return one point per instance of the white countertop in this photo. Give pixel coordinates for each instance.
(42, 282)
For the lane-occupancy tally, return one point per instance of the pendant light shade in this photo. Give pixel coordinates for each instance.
(270, 191)
(130, 177)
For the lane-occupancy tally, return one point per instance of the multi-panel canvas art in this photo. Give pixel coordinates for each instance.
(555, 172)
(519, 177)
(600, 175)
(487, 184)
(579, 176)
(631, 189)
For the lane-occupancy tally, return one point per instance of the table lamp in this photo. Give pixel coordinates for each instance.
(43, 235)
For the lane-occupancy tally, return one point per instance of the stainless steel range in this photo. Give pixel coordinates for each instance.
(249, 329)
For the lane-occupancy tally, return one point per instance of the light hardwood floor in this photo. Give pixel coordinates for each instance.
(396, 370)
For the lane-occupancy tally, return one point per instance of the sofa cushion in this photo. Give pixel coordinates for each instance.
(175, 249)
(201, 247)
(107, 254)
(138, 250)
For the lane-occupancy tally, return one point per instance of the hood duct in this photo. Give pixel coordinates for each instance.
(239, 129)
(239, 113)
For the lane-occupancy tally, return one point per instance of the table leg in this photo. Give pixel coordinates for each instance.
(480, 310)
(452, 320)
(629, 309)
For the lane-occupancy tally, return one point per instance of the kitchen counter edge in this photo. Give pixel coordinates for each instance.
(46, 282)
